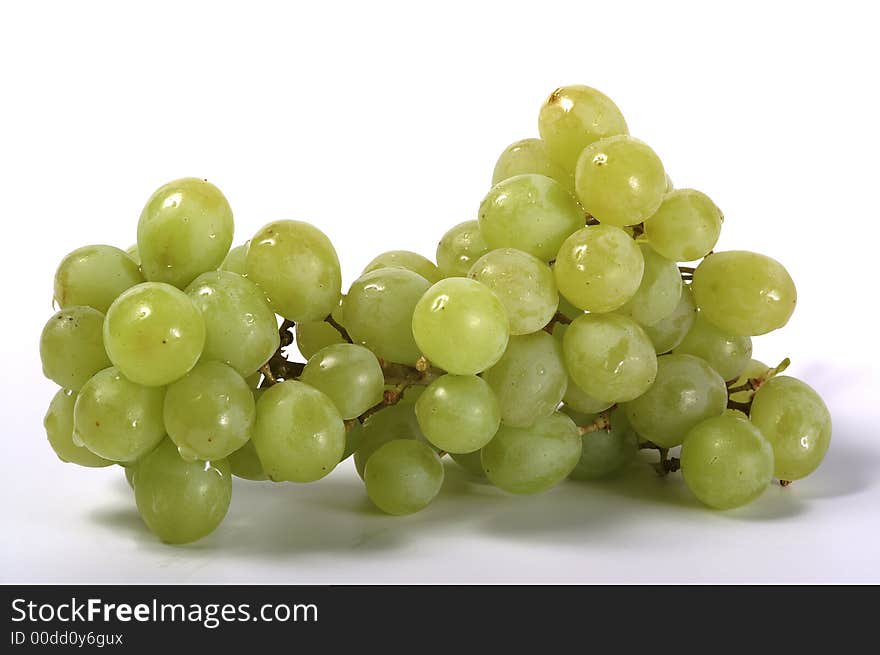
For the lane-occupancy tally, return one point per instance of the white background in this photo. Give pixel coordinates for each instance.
(380, 123)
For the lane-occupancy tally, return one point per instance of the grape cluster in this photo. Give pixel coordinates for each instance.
(555, 337)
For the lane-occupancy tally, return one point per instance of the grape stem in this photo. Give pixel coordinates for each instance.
(666, 464)
(558, 317)
(753, 384)
(687, 270)
(402, 377)
(342, 331)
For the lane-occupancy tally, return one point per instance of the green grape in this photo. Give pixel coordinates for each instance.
(607, 451)
(726, 461)
(459, 248)
(405, 259)
(667, 333)
(725, 353)
(130, 474)
(470, 462)
(403, 476)
(579, 400)
(354, 434)
(94, 276)
(460, 326)
(185, 229)
(620, 180)
(458, 413)
(609, 357)
(685, 227)
(575, 116)
(181, 501)
(244, 463)
(599, 268)
(523, 283)
(530, 156)
(394, 422)
(350, 375)
(296, 266)
(658, 294)
(754, 369)
(532, 459)
(314, 335)
(133, 252)
(530, 378)
(117, 419)
(686, 392)
(209, 412)
(236, 260)
(154, 334)
(299, 435)
(59, 430)
(72, 348)
(567, 309)
(529, 212)
(744, 293)
(241, 328)
(378, 312)
(796, 422)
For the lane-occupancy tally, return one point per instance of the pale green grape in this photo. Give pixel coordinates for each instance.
(403, 476)
(752, 370)
(94, 276)
(459, 248)
(726, 461)
(133, 252)
(314, 335)
(575, 116)
(394, 422)
(460, 326)
(299, 435)
(529, 212)
(59, 430)
(579, 400)
(599, 268)
(117, 419)
(531, 156)
(685, 227)
(154, 334)
(244, 463)
(532, 459)
(667, 333)
(609, 357)
(410, 261)
(567, 309)
(744, 293)
(185, 229)
(796, 422)
(236, 260)
(620, 180)
(530, 378)
(470, 462)
(686, 391)
(523, 283)
(378, 311)
(181, 501)
(241, 329)
(350, 375)
(726, 353)
(658, 294)
(458, 413)
(354, 434)
(72, 348)
(209, 412)
(605, 452)
(296, 266)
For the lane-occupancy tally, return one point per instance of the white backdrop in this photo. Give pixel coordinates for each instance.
(380, 123)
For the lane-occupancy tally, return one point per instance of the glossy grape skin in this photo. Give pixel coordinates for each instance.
(685, 227)
(350, 375)
(609, 357)
(599, 268)
(117, 419)
(529, 212)
(58, 423)
(744, 293)
(523, 283)
(470, 462)
(726, 353)
(575, 116)
(394, 422)
(753, 369)
(296, 266)
(530, 156)
(314, 335)
(378, 312)
(403, 476)
(529, 380)
(726, 462)
(659, 292)
(241, 328)
(181, 501)
(532, 459)
(796, 422)
(460, 326)
(580, 401)
(685, 392)
(605, 452)
(299, 434)
(154, 334)
(245, 463)
(459, 248)
(94, 276)
(185, 229)
(236, 260)
(405, 259)
(667, 333)
(458, 413)
(72, 347)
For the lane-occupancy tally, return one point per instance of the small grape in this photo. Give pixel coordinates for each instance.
(459, 248)
(659, 292)
(458, 413)
(311, 336)
(245, 463)
(72, 348)
(350, 375)
(726, 353)
(403, 476)
(607, 451)
(93, 276)
(236, 260)
(685, 227)
(405, 259)
(667, 333)
(394, 422)
(59, 430)
(530, 156)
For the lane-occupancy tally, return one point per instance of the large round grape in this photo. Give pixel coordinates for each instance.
(311, 336)
(349, 374)
(607, 451)
(411, 261)
(185, 229)
(685, 227)
(458, 413)
(72, 346)
(59, 430)
(658, 294)
(94, 276)
(154, 334)
(669, 332)
(394, 422)
(403, 476)
(460, 326)
(726, 353)
(531, 156)
(459, 248)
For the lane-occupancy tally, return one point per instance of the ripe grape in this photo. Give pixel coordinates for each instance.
(659, 292)
(458, 413)
(405, 259)
(236, 260)
(726, 353)
(94, 276)
(470, 462)
(667, 333)
(350, 375)
(606, 451)
(59, 430)
(459, 248)
(311, 336)
(403, 476)
(394, 422)
(245, 463)
(531, 156)
(685, 227)
(580, 401)
(72, 348)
